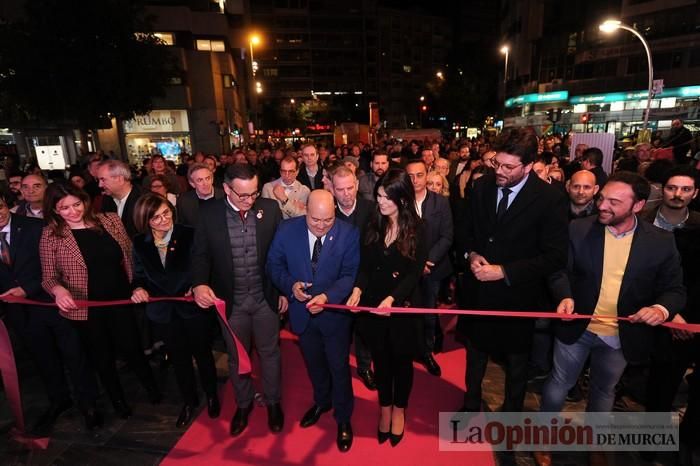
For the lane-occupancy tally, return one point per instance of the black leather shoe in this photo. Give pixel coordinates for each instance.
(93, 418)
(240, 420)
(312, 415)
(367, 377)
(431, 365)
(344, 439)
(213, 406)
(44, 425)
(122, 409)
(275, 417)
(185, 416)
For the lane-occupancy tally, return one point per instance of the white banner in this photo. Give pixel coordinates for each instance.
(159, 121)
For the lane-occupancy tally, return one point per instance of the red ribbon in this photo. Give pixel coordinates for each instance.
(8, 367)
(693, 328)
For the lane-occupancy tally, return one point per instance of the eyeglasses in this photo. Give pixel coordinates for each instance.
(164, 217)
(245, 197)
(506, 167)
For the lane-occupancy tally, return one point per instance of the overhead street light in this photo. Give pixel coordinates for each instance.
(613, 25)
(505, 50)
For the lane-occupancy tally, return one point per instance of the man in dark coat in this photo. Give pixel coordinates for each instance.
(228, 261)
(513, 237)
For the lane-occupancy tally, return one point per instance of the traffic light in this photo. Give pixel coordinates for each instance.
(585, 117)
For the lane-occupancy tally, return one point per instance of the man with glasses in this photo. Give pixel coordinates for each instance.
(514, 236)
(314, 259)
(231, 244)
(201, 179)
(310, 171)
(289, 193)
(120, 195)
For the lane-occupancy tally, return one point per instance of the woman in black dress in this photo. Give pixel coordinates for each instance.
(392, 259)
(162, 268)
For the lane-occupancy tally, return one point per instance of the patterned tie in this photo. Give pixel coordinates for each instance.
(5, 249)
(503, 204)
(316, 254)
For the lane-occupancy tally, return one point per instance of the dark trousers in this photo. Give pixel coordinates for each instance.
(516, 378)
(326, 356)
(54, 345)
(394, 376)
(669, 362)
(253, 321)
(107, 331)
(362, 352)
(431, 327)
(185, 339)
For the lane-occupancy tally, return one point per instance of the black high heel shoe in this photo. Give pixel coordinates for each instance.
(394, 439)
(382, 436)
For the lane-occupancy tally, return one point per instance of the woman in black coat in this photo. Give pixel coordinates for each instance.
(162, 268)
(392, 259)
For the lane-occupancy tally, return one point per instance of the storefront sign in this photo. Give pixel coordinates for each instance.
(159, 121)
(556, 96)
(687, 91)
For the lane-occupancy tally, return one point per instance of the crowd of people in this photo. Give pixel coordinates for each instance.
(519, 223)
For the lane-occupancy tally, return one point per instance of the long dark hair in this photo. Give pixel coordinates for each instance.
(399, 190)
(59, 190)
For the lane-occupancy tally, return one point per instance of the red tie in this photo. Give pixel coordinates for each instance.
(242, 214)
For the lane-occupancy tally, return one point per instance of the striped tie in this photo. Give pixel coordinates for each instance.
(5, 249)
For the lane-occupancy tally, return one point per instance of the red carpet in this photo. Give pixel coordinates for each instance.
(207, 441)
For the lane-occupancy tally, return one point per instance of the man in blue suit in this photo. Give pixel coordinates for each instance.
(314, 261)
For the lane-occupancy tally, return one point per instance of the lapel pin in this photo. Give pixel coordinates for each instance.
(259, 215)
(330, 238)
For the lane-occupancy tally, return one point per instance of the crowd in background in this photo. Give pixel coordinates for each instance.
(427, 233)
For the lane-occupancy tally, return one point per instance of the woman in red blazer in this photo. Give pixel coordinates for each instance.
(87, 256)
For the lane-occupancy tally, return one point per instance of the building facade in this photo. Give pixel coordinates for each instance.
(560, 60)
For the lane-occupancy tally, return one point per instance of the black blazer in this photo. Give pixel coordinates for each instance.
(303, 177)
(212, 263)
(529, 242)
(173, 279)
(25, 271)
(188, 206)
(127, 217)
(653, 276)
(361, 217)
(439, 232)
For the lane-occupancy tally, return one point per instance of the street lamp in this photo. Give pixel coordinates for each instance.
(611, 26)
(504, 51)
(440, 75)
(253, 40)
(422, 98)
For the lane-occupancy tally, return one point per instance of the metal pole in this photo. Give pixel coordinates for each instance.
(651, 71)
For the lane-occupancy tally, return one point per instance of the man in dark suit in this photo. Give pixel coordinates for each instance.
(51, 339)
(228, 260)
(310, 171)
(514, 237)
(358, 212)
(676, 350)
(188, 204)
(314, 260)
(120, 195)
(592, 160)
(618, 266)
(461, 163)
(439, 231)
